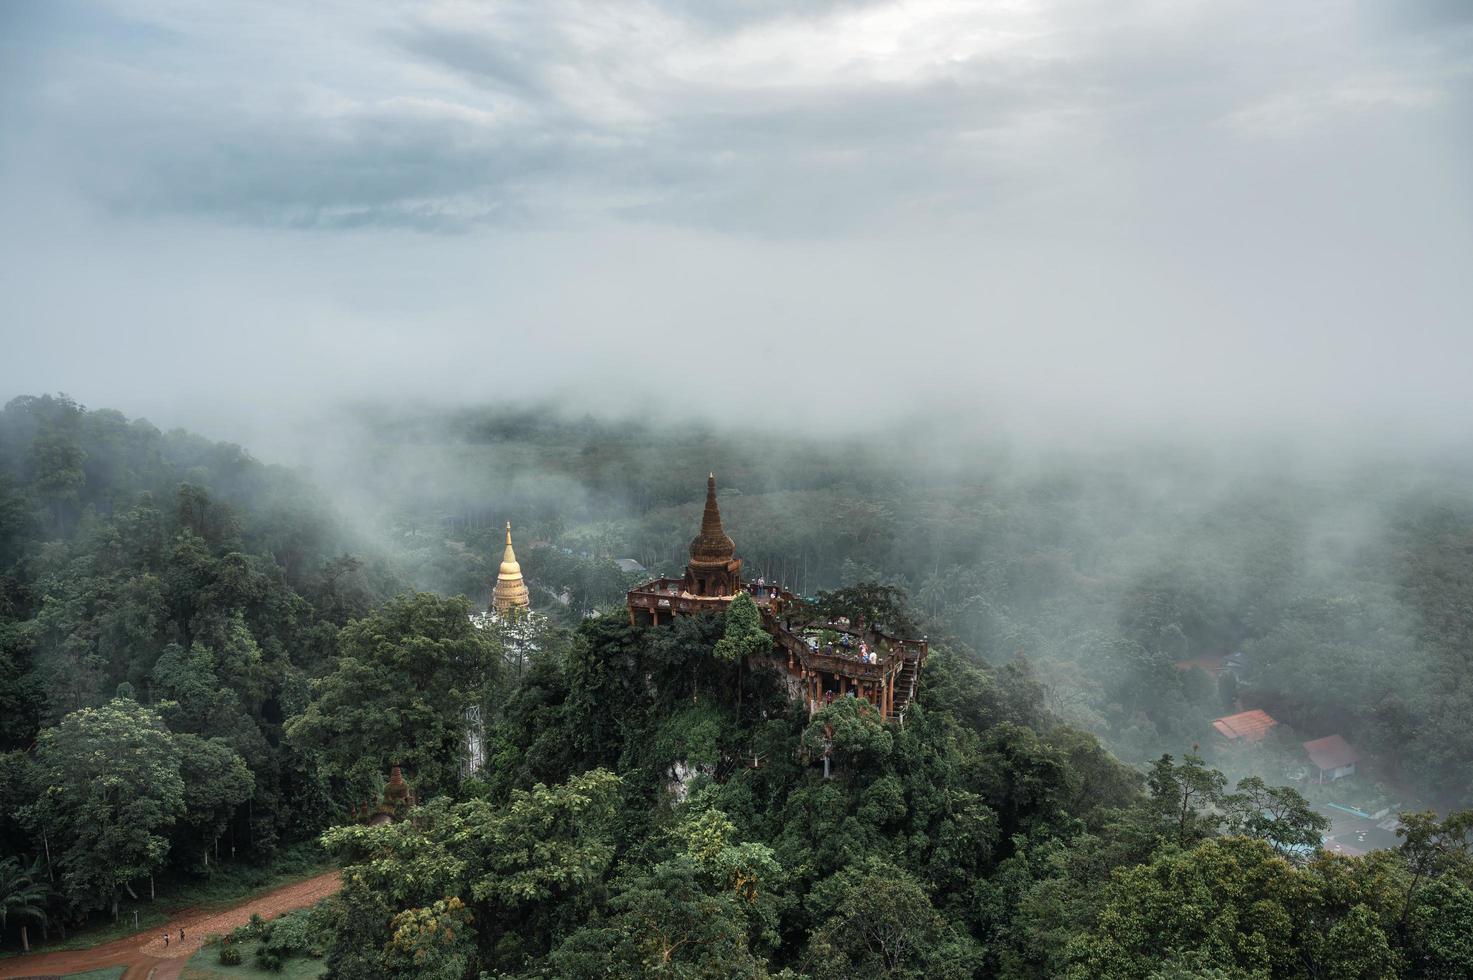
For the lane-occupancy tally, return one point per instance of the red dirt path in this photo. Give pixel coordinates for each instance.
(144, 954)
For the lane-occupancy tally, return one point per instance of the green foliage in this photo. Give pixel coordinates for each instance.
(1434, 848)
(851, 732)
(194, 580)
(1232, 899)
(22, 893)
(111, 789)
(1276, 814)
(229, 954)
(744, 636)
(398, 695)
(869, 604)
(994, 834)
(1441, 930)
(512, 865)
(663, 922)
(1184, 798)
(875, 921)
(216, 782)
(435, 942)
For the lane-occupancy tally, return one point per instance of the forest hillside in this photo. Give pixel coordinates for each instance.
(207, 661)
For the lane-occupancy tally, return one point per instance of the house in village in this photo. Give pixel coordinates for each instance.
(1245, 727)
(1334, 757)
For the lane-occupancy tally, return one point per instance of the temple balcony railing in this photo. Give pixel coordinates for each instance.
(664, 596)
(891, 652)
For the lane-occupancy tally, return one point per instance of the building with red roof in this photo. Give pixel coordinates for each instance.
(1245, 727)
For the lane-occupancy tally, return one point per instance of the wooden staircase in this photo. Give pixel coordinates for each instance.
(905, 687)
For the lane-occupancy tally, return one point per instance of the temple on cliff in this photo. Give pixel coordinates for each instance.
(822, 659)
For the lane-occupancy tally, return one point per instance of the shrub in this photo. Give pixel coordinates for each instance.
(292, 933)
(229, 954)
(268, 959)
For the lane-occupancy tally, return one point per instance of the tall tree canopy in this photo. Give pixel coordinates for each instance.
(398, 694)
(110, 790)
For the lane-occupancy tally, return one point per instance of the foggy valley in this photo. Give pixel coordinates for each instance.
(815, 490)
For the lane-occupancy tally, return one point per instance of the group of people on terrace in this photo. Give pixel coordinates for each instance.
(845, 646)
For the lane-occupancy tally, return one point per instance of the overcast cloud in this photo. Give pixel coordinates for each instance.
(1144, 212)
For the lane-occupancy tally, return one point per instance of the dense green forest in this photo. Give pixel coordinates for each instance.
(205, 660)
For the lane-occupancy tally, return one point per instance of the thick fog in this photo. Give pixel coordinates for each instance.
(1225, 217)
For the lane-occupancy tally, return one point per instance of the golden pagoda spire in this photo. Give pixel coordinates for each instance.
(511, 590)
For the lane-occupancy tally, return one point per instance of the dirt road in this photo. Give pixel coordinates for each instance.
(145, 955)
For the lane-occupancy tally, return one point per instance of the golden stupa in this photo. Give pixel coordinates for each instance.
(511, 591)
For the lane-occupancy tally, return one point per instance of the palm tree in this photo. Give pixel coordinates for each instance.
(22, 893)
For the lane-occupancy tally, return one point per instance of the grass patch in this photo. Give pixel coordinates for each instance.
(205, 965)
(228, 884)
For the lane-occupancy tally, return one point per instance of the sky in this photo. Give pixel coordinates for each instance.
(1163, 214)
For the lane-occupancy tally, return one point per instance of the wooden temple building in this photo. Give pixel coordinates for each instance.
(822, 660)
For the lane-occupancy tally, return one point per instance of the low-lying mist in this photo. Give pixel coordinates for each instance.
(1332, 566)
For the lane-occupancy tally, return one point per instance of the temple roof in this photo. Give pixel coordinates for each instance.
(712, 544)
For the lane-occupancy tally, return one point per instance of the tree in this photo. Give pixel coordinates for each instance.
(1021, 778)
(1433, 847)
(869, 604)
(662, 923)
(1095, 781)
(216, 782)
(875, 921)
(747, 872)
(435, 942)
(192, 696)
(56, 461)
(21, 695)
(399, 693)
(22, 893)
(111, 790)
(744, 636)
(851, 732)
(1232, 899)
(1185, 797)
(513, 866)
(1277, 814)
(1357, 948)
(1441, 930)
